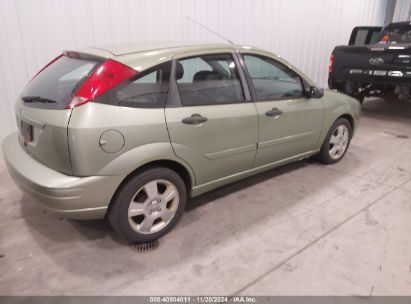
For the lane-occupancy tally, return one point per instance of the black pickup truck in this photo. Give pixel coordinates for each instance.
(377, 62)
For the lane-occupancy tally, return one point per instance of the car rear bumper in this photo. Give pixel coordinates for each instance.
(366, 76)
(68, 196)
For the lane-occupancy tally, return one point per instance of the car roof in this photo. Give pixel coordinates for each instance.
(174, 47)
(402, 23)
(143, 55)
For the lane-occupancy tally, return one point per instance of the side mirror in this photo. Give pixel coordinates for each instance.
(314, 92)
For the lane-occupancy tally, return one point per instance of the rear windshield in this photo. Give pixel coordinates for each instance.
(396, 33)
(54, 86)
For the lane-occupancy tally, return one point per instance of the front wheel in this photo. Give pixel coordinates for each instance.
(148, 205)
(337, 142)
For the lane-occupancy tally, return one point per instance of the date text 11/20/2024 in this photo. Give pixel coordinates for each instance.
(203, 299)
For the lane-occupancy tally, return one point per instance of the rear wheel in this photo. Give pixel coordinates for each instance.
(337, 142)
(352, 88)
(148, 205)
(360, 97)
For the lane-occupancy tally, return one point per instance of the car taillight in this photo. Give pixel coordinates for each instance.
(109, 74)
(331, 64)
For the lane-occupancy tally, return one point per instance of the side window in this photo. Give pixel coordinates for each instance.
(271, 79)
(208, 79)
(192, 66)
(147, 90)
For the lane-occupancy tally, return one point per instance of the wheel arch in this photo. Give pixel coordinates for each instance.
(328, 123)
(350, 118)
(177, 167)
(180, 169)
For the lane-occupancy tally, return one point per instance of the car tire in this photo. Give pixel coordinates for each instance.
(360, 97)
(351, 88)
(331, 84)
(148, 205)
(337, 142)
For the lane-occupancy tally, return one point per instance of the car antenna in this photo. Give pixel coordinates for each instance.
(208, 29)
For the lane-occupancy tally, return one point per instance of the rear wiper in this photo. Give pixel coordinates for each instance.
(38, 99)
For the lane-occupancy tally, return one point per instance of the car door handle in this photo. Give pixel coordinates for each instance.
(274, 112)
(194, 119)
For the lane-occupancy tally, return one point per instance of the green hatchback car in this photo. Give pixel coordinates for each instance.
(130, 132)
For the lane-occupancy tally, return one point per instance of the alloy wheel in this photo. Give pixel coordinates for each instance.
(153, 206)
(339, 141)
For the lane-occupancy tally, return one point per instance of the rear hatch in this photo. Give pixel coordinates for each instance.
(43, 113)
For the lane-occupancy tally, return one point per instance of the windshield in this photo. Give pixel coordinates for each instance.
(396, 33)
(54, 86)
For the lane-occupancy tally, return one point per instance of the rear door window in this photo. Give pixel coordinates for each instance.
(53, 87)
(208, 80)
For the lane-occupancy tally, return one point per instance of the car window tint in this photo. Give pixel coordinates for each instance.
(57, 82)
(192, 66)
(361, 37)
(374, 37)
(151, 77)
(147, 90)
(209, 79)
(396, 33)
(271, 79)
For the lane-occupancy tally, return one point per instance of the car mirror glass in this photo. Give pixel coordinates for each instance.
(314, 92)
